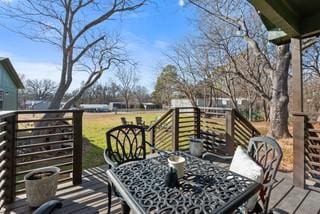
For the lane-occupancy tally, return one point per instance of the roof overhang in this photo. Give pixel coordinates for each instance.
(5, 62)
(285, 19)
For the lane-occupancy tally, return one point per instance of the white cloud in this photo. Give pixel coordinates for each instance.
(181, 3)
(32, 69)
(6, 1)
(148, 55)
(162, 45)
(45, 70)
(37, 70)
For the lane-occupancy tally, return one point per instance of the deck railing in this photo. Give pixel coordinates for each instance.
(34, 139)
(223, 129)
(7, 153)
(306, 150)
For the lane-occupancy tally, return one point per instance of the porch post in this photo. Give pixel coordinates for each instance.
(175, 130)
(77, 147)
(298, 119)
(230, 143)
(197, 122)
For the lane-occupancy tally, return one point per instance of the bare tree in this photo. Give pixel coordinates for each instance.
(141, 93)
(71, 25)
(188, 75)
(40, 89)
(126, 78)
(234, 27)
(239, 42)
(97, 60)
(311, 62)
(113, 92)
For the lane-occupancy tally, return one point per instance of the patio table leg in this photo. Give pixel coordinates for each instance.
(125, 209)
(109, 198)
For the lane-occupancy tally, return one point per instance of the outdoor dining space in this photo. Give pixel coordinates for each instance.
(226, 164)
(137, 174)
(190, 160)
(91, 195)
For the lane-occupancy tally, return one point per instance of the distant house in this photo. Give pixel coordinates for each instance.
(147, 106)
(37, 104)
(10, 83)
(95, 107)
(221, 102)
(113, 106)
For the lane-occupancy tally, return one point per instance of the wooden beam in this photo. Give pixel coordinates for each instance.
(198, 122)
(230, 143)
(11, 158)
(279, 15)
(310, 26)
(298, 150)
(175, 130)
(298, 120)
(77, 147)
(297, 75)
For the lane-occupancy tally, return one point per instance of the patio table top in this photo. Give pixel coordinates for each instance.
(204, 188)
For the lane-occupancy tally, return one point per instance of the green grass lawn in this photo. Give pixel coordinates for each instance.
(95, 126)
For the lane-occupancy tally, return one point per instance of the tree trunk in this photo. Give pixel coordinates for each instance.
(126, 100)
(279, 103)
(265, 110)
(211, 97)
(193, 101)
(250, 112)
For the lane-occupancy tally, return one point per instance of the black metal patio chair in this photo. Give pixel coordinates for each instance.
(48, 207)
(267, 153)
(124, 121)
(125, 143)
(141, 122)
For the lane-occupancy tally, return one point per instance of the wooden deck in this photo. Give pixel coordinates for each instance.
(91, 197)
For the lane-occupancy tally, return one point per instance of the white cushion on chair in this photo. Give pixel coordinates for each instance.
(244, 165)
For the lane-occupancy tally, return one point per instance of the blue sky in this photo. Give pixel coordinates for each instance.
(147, 33)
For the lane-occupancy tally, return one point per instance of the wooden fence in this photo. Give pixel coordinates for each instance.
(223, 129)
(7, 151)
(306, 150)
(30, 140)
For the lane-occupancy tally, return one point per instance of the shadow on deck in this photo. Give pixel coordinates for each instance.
(91, 196)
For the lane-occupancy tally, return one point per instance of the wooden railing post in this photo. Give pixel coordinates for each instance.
(11, 158)
(299, 127)
(229, 117)
(77, 147)
(152, 139)
(198, 122)
(175, 130)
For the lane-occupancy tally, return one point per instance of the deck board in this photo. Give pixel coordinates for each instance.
(91, 196)
(293, 199)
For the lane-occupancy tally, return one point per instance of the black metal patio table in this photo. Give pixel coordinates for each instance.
(205, 187)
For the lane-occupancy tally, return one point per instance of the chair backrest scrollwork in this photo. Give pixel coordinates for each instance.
(126, 143)
(268, 154)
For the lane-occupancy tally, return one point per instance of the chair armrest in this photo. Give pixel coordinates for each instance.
(48, 207)
(270, 183)
(108, 160)
(159, 151)
(212, 156)
(151, 146)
